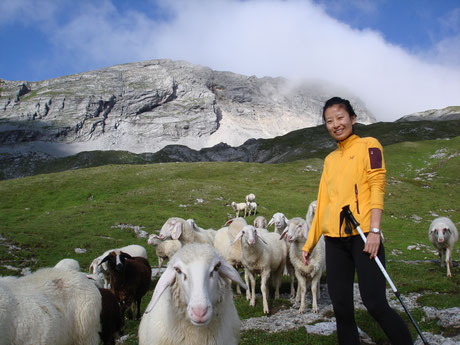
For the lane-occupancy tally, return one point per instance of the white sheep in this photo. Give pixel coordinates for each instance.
(260, 222)
(69, 264)
(252, 207)
(443, 234)
(262, 252)
(179, 229)
(192, 302)
(164, 249)
(101, 269)
(231, 253)
(211, 233)
(50, 306)
(296, 234)
(240, 207)
(250, 197)
(279, 221)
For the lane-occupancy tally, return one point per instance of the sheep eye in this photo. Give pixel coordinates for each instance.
(178, 270)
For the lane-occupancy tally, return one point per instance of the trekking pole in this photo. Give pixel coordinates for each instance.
(348, 215)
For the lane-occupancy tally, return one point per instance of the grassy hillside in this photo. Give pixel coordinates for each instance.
(43, 218)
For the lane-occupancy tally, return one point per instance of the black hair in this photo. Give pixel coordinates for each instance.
(344, 103)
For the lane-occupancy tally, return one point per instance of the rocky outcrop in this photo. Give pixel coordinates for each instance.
(144, 106)
(446, 114)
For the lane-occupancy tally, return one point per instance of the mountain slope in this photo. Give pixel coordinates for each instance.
(304, 143)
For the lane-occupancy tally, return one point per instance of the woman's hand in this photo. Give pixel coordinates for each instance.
(305, 257)
(372, 244)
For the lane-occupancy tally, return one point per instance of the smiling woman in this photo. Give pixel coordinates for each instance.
(354, 176)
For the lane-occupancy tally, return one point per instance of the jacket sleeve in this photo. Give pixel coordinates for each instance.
(375, 168)
(316, 231)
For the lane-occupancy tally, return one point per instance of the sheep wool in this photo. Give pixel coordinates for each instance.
(51, 306)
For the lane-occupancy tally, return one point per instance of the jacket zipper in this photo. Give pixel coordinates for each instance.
(356, 198)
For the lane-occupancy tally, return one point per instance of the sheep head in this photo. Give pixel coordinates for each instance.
(172, 228)
(250, 234)
(297, 229)
(116, 260)
(199, 273)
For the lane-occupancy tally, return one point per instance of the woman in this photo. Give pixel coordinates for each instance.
(354, 175)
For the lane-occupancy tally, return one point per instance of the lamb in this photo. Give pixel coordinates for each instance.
(296, 233)
(279, 221)
(112, 320)
(262, 252)
(250, 197)
(192, 302)
(130, 278)
(50, 306)
(240, 207)
(97, 268)
(443, 234)
(179, 229)
(260, 222)
(69, 264)
(252, 207)
(164, 249)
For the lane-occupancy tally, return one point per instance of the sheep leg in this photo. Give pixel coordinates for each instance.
(448, 261)
(277, 281)
(302, 284)
(291, 272)
(263, 287)
(314, 291)
(246, 280)
(441, 256)
(252, 279)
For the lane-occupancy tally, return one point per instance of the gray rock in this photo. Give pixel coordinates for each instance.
(145, 106)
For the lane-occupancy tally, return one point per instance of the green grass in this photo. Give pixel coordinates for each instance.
(47, 216)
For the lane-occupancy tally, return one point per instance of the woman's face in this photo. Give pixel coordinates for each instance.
(338, 122)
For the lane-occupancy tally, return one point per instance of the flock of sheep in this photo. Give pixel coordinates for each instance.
(192, 302)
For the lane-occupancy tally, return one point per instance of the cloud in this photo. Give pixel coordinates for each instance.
(292, 38)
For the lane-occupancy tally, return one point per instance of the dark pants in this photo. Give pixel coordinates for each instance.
(343, 256)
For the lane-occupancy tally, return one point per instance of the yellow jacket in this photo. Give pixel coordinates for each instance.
(353, 174)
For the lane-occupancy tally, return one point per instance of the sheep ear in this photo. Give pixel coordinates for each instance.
(304, 230)
(228, 271)
(237, 237)
(270, 222)
(260, 236)
(176, 231)
(104, 260)
(230, 221)
(167, 279)
(125, 255)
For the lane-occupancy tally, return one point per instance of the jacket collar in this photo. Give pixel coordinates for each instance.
(346, 143)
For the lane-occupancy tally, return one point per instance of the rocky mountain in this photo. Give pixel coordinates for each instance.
(449, 113)
(145, 106)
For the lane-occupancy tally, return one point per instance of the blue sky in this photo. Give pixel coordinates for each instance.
(398, 56)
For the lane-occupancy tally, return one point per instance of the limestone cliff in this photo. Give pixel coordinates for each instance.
(144, 106)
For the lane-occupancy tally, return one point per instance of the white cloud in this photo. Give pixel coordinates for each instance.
(291, 38)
